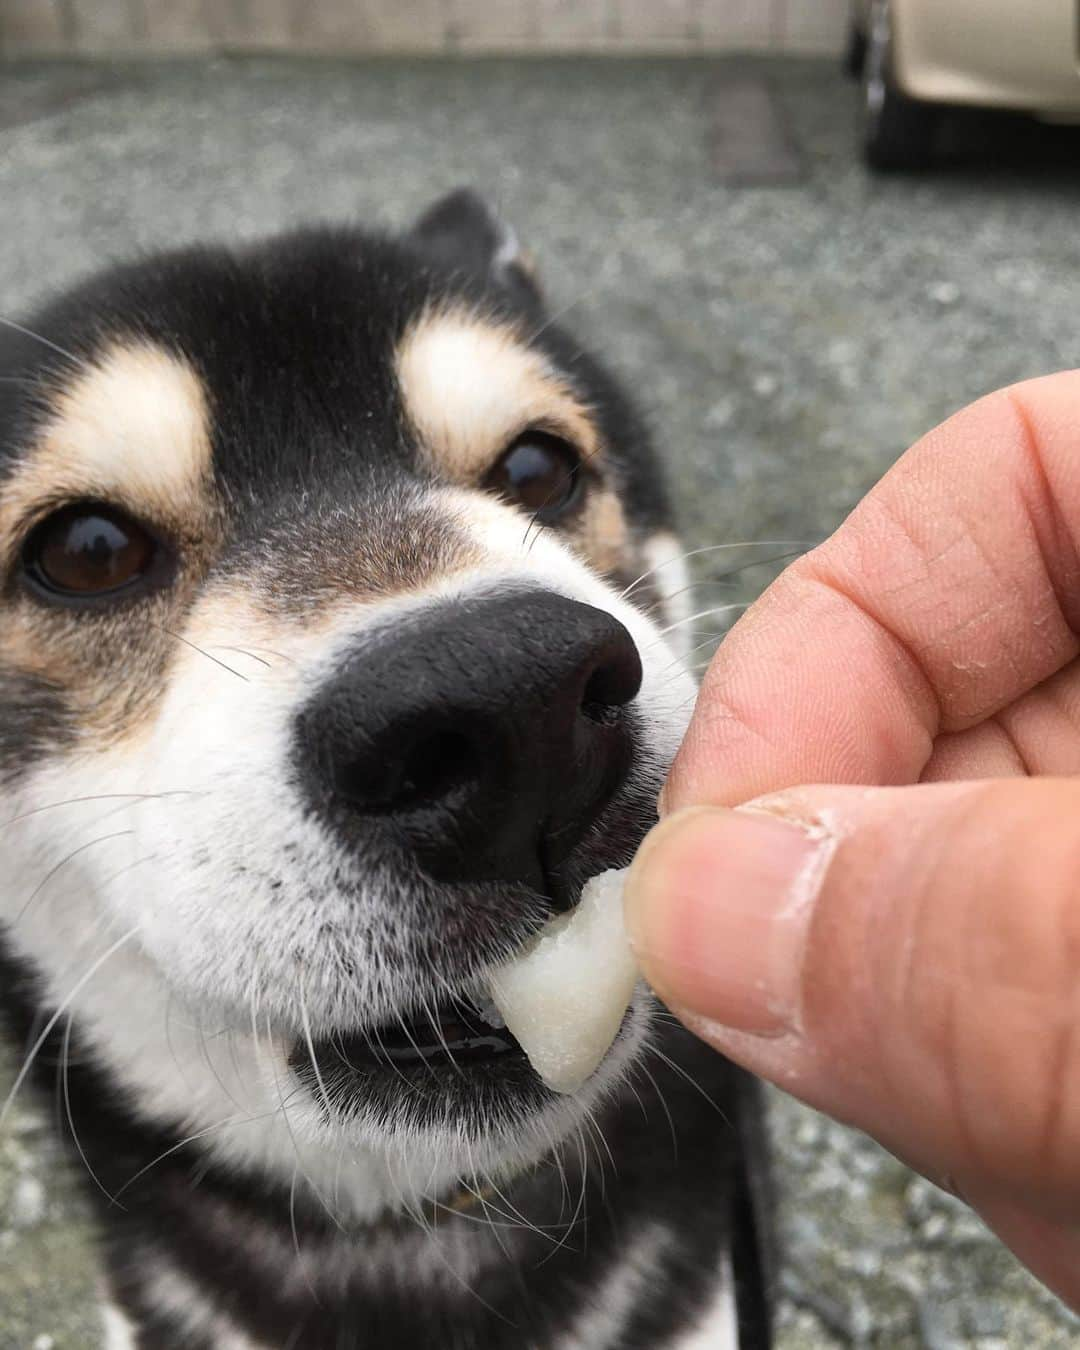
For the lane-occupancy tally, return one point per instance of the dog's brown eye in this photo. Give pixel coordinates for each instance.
(540, 472)
(87, 550)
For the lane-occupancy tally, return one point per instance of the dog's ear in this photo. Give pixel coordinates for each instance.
(462, 232)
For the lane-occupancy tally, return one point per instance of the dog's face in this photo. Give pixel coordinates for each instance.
(318, 692)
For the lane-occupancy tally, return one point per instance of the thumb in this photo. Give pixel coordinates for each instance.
(907, 959)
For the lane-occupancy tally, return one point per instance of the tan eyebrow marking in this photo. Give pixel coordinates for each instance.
(603, 534)
(134, 427)
(469, 384)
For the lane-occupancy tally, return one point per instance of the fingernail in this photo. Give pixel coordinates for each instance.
(718, 904)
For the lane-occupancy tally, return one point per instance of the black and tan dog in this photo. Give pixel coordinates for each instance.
(339, 645)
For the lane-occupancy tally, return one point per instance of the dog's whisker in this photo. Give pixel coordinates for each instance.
(580, 1212)
(295, 1334)
(47, 342)
(525, 1223)
(723, 579)
(81, 984)
(414, 1207)
(654, 607)
(130, 867)
(591, 1115)
(436, 1026)
(502, 1223)
(689, 1078)
(477, 1192)
(584, 1186)
(665, 1108)
(631, 1087)
(312, 1056)
(458, 1215)
(798, 544)
(402, 1203)
(419, 1054)
(535, 521)
(65, 1060)
(178, 637)
(339, 1163)
(133, 797)
(169, 1040)
(730, 608)
(242, 651)
(411, 1087)
(580, 1209)
(234, 1061)
(589, 1123)
(250, 649)
(687, 701)
(183, 1143)
(680, 662)
(284, 1112)
(435, 1248)
(555, 1153)
(204, 1047)
(301, 1262)
(662, 633)
(563, 311)
(770, 561)
(54, 871)
(696, 669)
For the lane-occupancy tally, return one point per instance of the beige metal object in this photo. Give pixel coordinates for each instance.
(997, 53)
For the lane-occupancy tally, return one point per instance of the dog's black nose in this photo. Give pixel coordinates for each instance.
(487, 734)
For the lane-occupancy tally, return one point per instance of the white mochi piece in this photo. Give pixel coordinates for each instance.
(565, 996)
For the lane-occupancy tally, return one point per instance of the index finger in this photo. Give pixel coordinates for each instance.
(949, 592)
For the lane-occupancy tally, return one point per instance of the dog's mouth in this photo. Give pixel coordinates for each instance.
(433, 1056)
(451, 1061)
(452, 1035)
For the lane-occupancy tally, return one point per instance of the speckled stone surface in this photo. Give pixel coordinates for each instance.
(788, 343)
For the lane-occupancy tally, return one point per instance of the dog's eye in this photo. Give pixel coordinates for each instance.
(540, 472)
(88, 549)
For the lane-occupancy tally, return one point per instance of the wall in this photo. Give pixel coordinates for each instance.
(166, 27)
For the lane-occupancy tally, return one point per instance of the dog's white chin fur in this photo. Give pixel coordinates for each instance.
(192, 928)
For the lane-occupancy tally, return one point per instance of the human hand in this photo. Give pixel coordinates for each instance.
(906, 958)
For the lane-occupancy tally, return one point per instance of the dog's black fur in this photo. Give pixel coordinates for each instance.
(709, 1184)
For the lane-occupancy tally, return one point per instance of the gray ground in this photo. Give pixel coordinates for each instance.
(789, 342)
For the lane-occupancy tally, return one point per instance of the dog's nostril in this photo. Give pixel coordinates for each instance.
(601, 714)
(611, 685)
